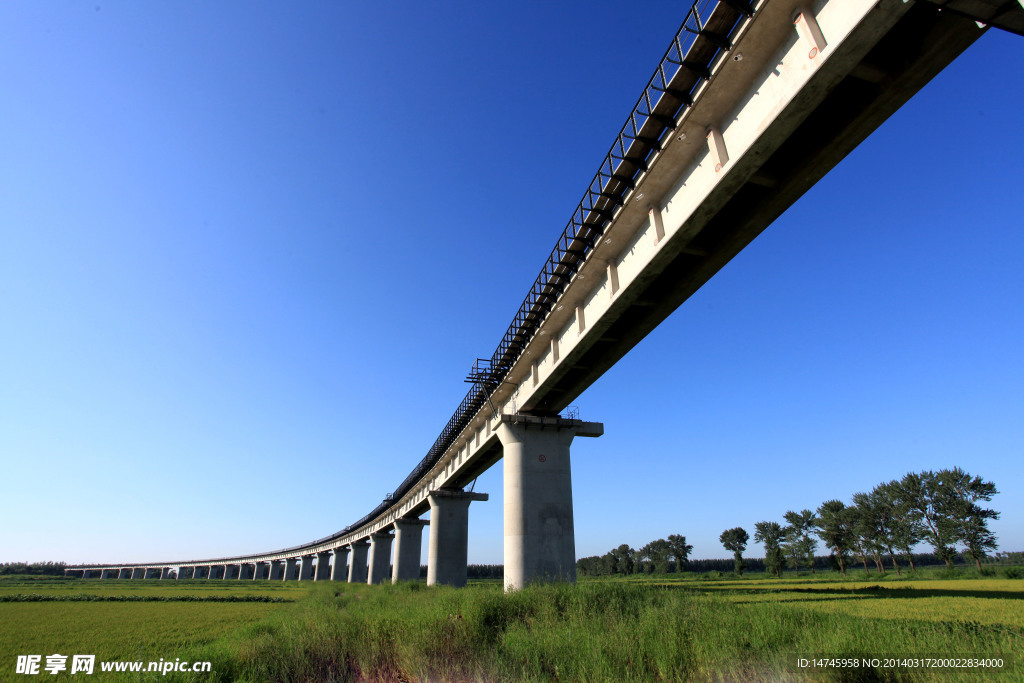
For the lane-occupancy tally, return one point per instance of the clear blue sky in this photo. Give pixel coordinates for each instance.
(248, 252)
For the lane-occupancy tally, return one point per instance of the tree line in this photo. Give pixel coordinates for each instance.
(660, 556)
(33, 568)
(938, 508)
(941, 508)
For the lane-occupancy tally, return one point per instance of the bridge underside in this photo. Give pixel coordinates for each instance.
(916, 49)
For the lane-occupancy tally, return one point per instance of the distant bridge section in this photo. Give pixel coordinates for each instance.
(753, 102)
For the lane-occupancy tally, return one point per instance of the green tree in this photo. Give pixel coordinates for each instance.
(905, 526)
(658, 552)
(961, 493)
(623, 559)
(769, 534)
(800, 545)
(876, 519)
(927, 499)
(835, 527)
(680, 550)
(735, 539)
(867, 530)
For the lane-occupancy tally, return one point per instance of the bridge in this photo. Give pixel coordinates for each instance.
(753, 102)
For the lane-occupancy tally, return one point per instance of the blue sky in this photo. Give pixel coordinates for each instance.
(249, 251)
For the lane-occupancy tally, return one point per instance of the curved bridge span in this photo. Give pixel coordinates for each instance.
(753, 102)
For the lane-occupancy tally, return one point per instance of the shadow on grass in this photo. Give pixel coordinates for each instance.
(863, 591)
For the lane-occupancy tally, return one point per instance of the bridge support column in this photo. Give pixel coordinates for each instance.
(307, 568)
(165, 572)
(152, 573)
(259, 571)
(540, 541)
(125, 573)
(323, 566)
(357, 567)
(231, 571)
(408, 549)
(186, 572)
(138, 573)
(291, 569)
(105, 574)
(380, 557)
(276, 570)
(339, 565)
(449, 536)
(246, 571)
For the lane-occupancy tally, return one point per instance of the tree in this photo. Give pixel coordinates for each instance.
(735, 539)
(799, 544)
(769, 534)
(658, 551)
(680, 550)
(835, 528)
(867, 530)
(905, 527)
(924, 494)
(623, 559)
(960, 492)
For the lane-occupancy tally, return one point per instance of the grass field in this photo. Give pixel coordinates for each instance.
(624, 629)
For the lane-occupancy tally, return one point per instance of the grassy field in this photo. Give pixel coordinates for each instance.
(624, 629)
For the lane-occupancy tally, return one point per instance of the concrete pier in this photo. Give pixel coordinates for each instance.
(291, 569)
(323, 566)
(125, 573)
(165, 572)
(380, 557)
(106, 574)
(357, 565)
(339, 565)
(540, 541)
(151, 573)
(231, 571)
(449, 536)
(246, 571)
(276, 570)
(186, 572)
(307, 568)
(408, 549)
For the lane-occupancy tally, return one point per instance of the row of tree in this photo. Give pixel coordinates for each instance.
(660, 556)
(939, 508)
(33, 568)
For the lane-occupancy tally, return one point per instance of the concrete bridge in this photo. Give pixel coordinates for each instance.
(754, 101)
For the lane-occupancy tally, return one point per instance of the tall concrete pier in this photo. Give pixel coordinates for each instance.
(380, 557)
(540, 540)
(449, 536)
(357, 564)
(339, 565)
(408, 549)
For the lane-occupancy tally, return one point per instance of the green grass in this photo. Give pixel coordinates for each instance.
(624, 629)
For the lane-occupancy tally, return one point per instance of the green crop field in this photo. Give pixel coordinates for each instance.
(623, 629)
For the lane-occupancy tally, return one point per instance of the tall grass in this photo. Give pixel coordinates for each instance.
(594, 631)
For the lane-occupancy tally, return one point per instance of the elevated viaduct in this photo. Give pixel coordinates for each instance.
(754, 101)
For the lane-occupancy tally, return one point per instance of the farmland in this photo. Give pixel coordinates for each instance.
(638, 628)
